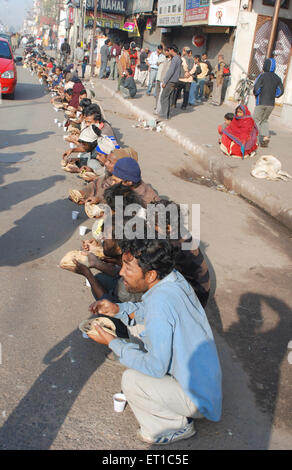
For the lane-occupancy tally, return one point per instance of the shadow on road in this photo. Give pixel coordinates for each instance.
(39, 232)
(22, 190)
(17, 137)
(37, 419)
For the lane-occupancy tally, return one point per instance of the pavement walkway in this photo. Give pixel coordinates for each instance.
(196, 131)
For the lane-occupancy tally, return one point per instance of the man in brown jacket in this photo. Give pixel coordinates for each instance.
(218, 82)
(124, 63)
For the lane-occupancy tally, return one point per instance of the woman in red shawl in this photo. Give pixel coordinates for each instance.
(239, 139)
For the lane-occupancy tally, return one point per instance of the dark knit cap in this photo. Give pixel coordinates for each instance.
(127, 169)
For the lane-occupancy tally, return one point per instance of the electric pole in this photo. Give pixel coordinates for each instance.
(93, 39)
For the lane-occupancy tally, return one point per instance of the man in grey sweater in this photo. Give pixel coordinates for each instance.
(169, 82)
(104, 58)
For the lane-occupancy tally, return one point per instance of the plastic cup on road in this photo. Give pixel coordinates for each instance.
(87, 283)
(119, 402)
(56, 121)
(82, 230)
(59, 124)
(75, 215)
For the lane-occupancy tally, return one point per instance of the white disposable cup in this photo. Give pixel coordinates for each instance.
(56, 121)
(59, 124)
(119, 402)
(75, 215)
(87, 283)
(72, 146)
(65, 129)
(78, 114)
(82, 230)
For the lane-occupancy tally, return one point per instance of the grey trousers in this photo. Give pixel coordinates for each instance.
(217, 93)
(102, 70)
(261, 116)
(114, 69)
(159, 404)
(166, 99)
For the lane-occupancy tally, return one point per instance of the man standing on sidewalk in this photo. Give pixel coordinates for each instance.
(169, 82)
(78, 56)
(267, 87)
(218, 82)
(124, 63)
(153, 62)
(104, 58)
(115, 55)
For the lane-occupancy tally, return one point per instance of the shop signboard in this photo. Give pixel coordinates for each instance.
(110, 6)
(106, 20)
(170, 13)
(196, 12)
(223, 13)
(139, 6)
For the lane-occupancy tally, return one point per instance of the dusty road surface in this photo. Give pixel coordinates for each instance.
(56, 388)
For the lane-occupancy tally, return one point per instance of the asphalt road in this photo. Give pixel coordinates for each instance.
(56, 389)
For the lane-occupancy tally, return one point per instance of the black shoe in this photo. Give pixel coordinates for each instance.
(183, 107)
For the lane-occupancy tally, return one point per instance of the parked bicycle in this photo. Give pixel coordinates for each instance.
(243, 89)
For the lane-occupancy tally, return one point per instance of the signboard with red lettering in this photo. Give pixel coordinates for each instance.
(196, 12)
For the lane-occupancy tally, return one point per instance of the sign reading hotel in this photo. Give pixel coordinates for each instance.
(197, 11)
(170, 13)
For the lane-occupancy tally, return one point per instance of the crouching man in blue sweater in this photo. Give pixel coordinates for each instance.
(176, 376)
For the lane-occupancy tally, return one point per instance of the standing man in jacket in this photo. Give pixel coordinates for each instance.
(267, 87)
(104, 58)
(218, 82)
(115, 55)
(169, 82)
(124, 63)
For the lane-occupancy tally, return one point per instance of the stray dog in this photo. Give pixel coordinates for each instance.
(270, 168)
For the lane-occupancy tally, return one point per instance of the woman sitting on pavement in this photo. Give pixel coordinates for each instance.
(239, 139)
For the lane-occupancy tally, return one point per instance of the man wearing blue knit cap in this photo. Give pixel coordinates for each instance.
(128, 173)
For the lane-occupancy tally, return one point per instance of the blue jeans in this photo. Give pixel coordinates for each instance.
(200, 89)
(193, 93)
(152, 79)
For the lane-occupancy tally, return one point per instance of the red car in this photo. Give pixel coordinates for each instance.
(8, 72)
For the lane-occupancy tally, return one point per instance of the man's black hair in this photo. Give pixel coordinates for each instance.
(84, 103)
(94, 110)
(174, 48)
(129, 196)
(160, 47)
(197, 56)
(69, 92)
(229, 116)
(83, 92)
(156, 255)
(130, 71)
(127, 47)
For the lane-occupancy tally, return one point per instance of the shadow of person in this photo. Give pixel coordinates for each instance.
(261, 350)
(39, 232)
(22, 190)
(37, 419)
(17, 137)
